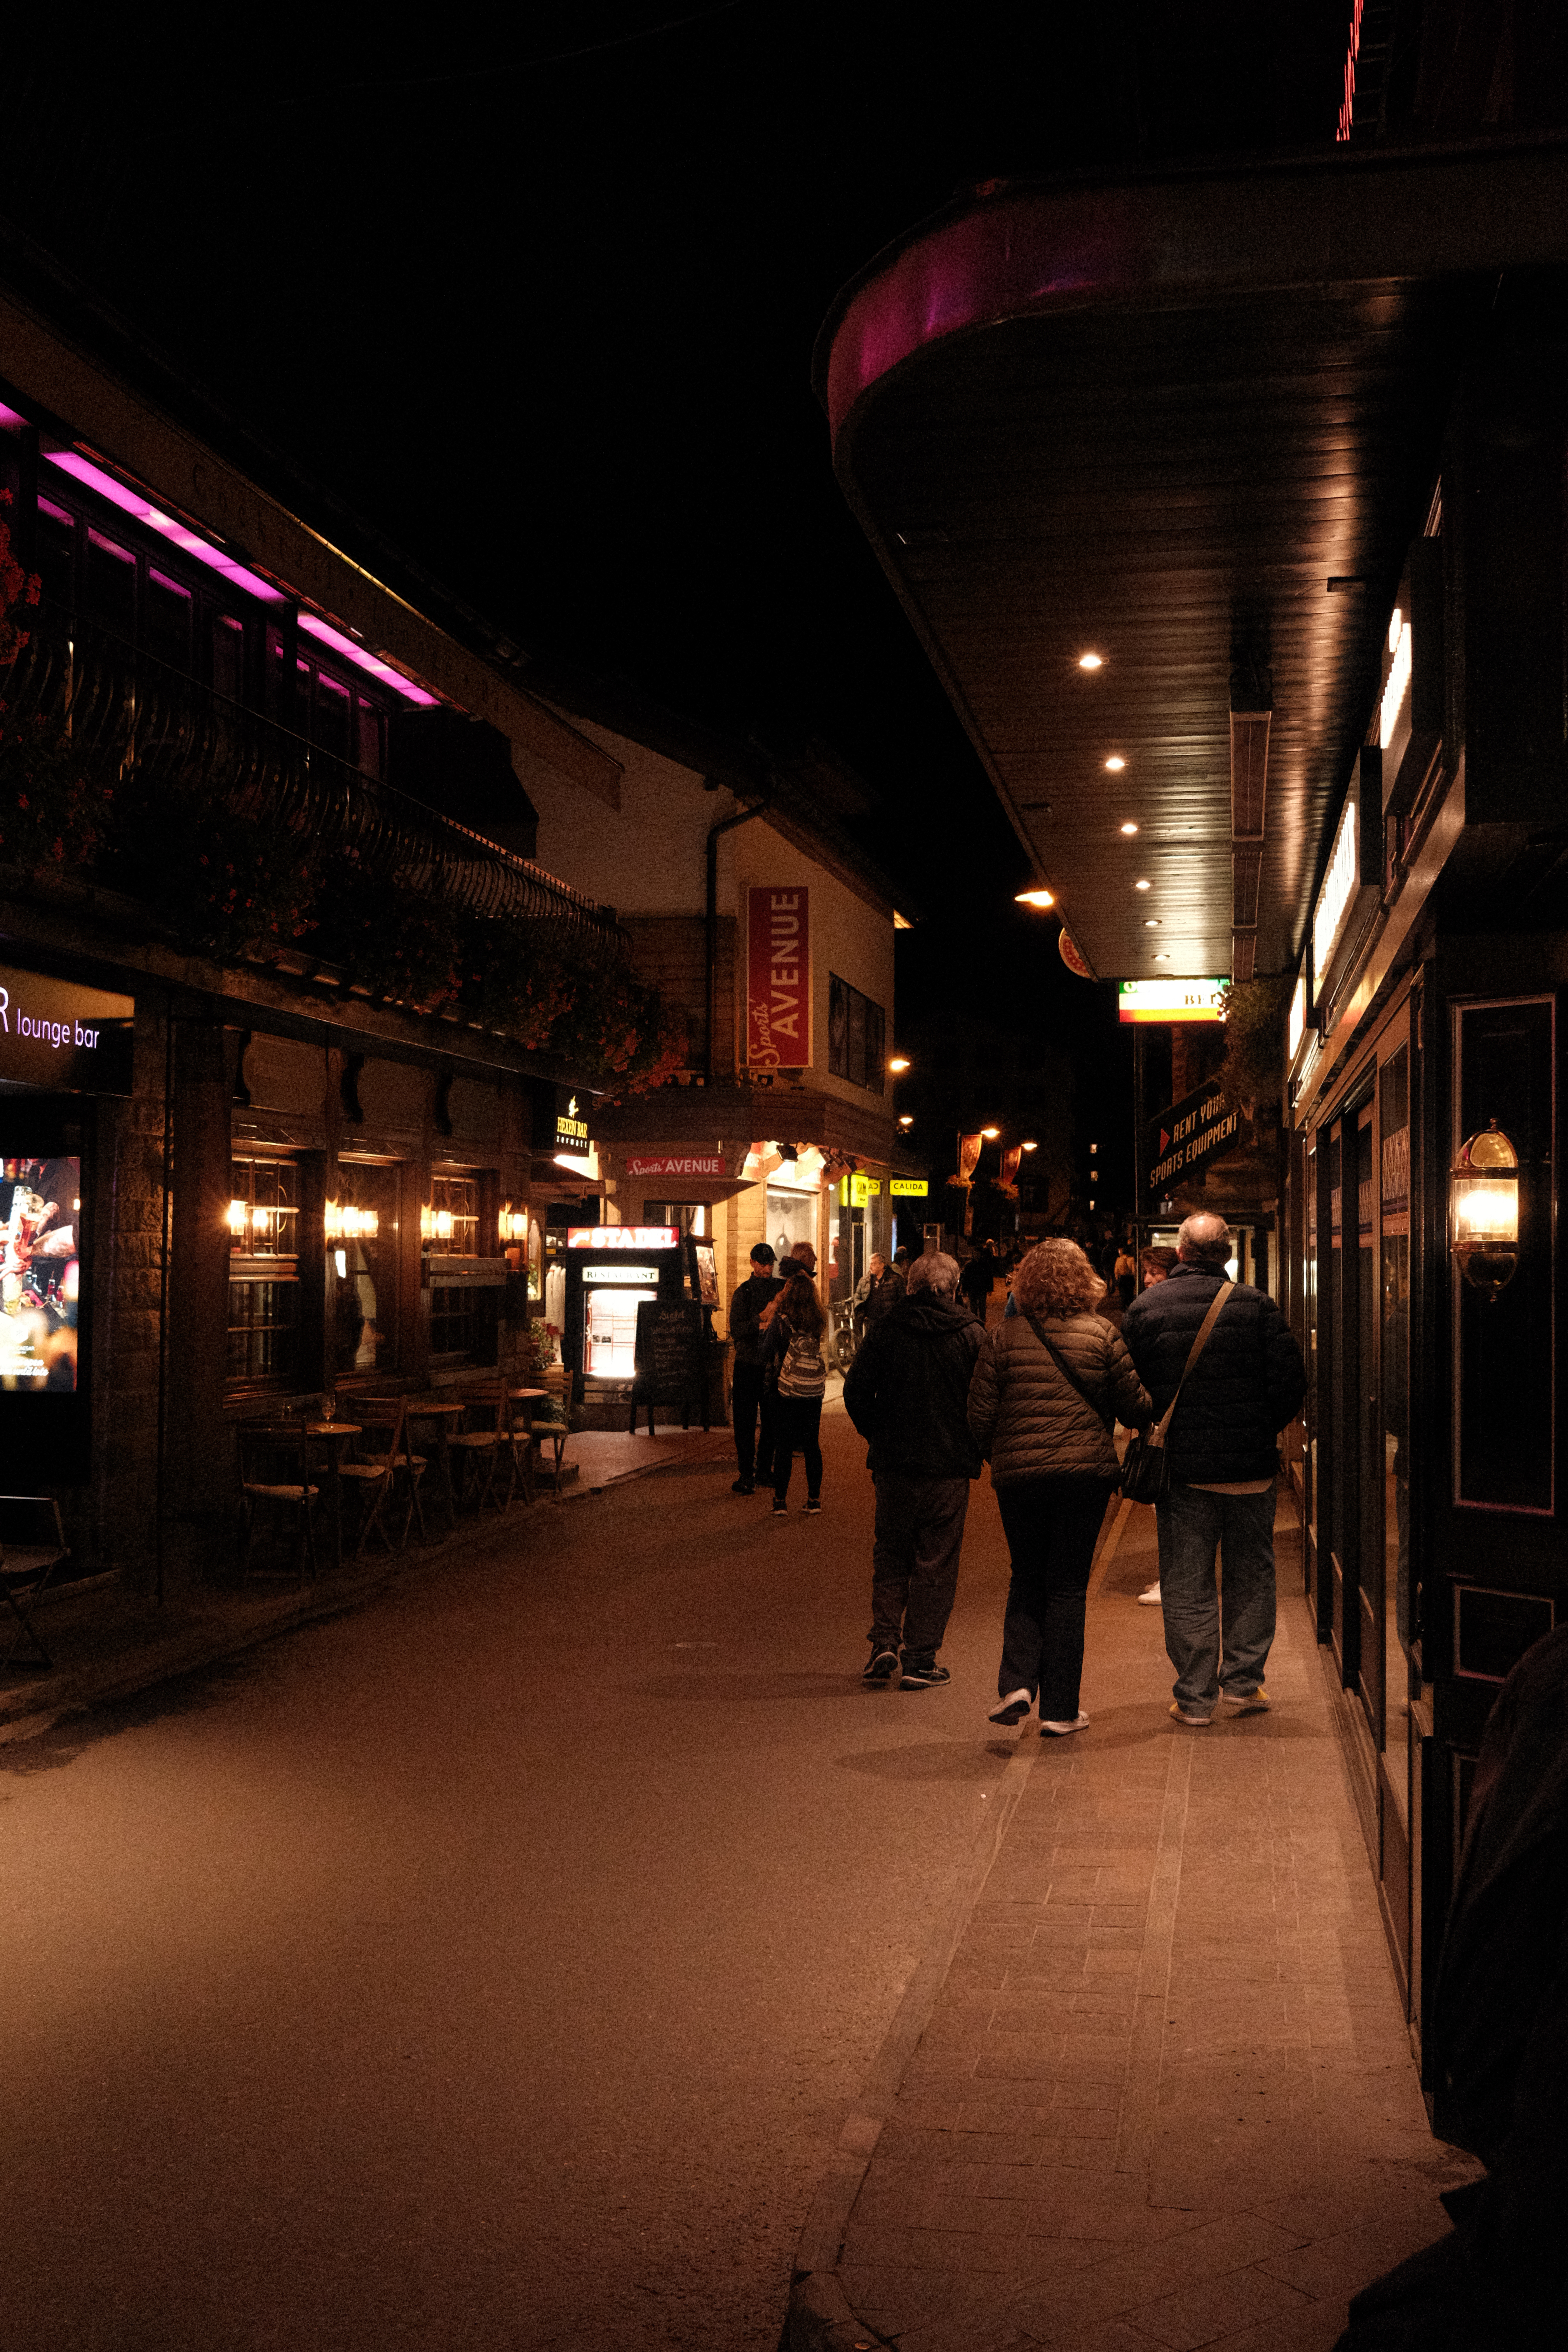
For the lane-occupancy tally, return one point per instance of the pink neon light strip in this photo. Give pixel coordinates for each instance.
(10, 420)
(379, 669)
(131, 502)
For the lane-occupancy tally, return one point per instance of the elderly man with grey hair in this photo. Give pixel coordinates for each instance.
(1222, 1450)
(906, 1392)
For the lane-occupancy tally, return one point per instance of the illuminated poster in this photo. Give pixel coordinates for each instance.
(778, 979)
(40, 1208)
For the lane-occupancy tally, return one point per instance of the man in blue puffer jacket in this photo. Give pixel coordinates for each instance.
(1223, 1445)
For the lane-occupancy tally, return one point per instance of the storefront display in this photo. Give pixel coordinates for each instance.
(609, 1272)
(45, 1291)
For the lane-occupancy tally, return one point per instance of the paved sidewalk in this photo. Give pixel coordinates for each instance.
(1164, 2096)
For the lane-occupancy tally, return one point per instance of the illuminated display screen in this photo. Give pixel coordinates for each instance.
(40, 1273)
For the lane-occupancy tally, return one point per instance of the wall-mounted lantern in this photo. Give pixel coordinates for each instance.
(512, 1224)
(1484, 1182)
(347, 1223)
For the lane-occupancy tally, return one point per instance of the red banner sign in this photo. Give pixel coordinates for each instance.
(778, 979)
(669, 1163)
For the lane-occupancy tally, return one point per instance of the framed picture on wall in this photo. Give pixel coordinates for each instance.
(705, 1272)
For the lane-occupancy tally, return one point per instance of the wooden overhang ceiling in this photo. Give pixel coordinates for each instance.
(1153, 420)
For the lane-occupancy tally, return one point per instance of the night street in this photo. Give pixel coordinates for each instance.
(492, 1967)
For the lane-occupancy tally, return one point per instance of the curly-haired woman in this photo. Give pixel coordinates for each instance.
(795, 1357)
(1048, 1386)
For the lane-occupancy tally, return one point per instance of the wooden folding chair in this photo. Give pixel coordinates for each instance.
(275, 1475)
(492, 1443)
(554, 1434)
(32, 1547)
(383, 1455)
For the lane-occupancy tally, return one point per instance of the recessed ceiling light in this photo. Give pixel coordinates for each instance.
(1116, 764)
(1151, 922)
(1130, 828)
(1092, 661)
(1141, 885)
(1161, 959)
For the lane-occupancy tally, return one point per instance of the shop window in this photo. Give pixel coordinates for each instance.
(227, 657)
(856, 1036)
(111, 583)
(690, 1217)
(166, 620)
(452, 1223)
(264, 1288)
(362, 1221)
(57, 554)
(791, 1217)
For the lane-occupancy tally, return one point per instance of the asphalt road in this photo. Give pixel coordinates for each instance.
(492, 1967)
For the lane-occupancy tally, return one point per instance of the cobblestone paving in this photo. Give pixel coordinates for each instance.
(1166, 2098)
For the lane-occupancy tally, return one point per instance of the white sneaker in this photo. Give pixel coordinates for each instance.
(1149, 1596)
(1013, 1708)
(1060, 1730)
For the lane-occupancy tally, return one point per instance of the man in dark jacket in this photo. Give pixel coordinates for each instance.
(1224, 1456)
(751, 1399)
(906, 1392)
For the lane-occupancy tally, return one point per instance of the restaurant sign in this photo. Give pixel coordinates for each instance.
(57, 1034)
(621, 1237)
(1170, 1000)
(1188, 1135)
(778, 979)
(672, 1163)
(909, 1188)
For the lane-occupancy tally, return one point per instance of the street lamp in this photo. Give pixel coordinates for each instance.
(899, 1065)
(990, 1133)
(1033, 899)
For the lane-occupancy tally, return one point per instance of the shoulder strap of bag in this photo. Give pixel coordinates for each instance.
(1068, 1372)
(1157, 1434)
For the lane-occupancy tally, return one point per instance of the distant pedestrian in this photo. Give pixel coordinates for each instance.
(1153, 1264)
(795, 1366)
(1222, 1450)
(1048, 1386)
(978, 1278)
(1124, 1274)
(906, 1392)
(751, 1399)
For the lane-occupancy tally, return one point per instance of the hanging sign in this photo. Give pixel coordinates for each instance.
(778, 979)
(621, 1237)
(57, 1034)
(1072, 955)
(1188, 1135)
(1170, 1000)
(571, 1122)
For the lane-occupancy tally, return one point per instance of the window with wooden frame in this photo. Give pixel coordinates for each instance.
(264, 1273)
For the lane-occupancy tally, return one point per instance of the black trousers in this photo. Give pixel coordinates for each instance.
(751, 1401)
(914, 1562)
(795, 1423)
(1051, 1525)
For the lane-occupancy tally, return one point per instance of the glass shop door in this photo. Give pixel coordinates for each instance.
(1369, 1512)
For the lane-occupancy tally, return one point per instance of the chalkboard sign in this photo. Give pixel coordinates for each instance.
(672, 1352)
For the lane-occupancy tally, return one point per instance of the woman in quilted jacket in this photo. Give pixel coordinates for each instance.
(1049, 1384)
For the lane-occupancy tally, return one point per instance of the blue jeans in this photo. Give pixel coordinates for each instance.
(1192, 1526)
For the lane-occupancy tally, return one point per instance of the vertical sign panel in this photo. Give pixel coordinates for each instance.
(778, 979)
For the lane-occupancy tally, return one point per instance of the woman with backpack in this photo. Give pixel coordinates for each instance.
(794, 1361)
(1049, 1384)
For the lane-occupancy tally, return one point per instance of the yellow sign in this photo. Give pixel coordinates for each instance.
(858, 1189)
(908, 1188)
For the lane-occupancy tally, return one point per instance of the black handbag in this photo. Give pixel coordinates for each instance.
(1146, 1466)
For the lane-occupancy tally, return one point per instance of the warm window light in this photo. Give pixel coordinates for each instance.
(1129, 829)
(1033, 899)
(1092, 661)
(1116, 764)
(1485, 1191)
(900, 1061)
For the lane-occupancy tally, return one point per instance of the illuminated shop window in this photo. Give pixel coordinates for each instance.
(264, 1288)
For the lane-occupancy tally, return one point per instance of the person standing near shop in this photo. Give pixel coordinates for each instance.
(906, 1392)
(751, 1399)
(795, 1363)
(1222, 1450)
(978, 1279)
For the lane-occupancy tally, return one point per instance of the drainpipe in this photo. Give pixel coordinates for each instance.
(725, 825)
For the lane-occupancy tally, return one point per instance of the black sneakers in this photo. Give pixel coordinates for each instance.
(743, 1487)
(924, 1677)
(881, 1666)
(812, 1504)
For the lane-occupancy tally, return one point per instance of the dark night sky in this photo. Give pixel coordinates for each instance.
(546, 319)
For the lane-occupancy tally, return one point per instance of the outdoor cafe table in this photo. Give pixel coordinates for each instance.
(334, 1435)
(440, 1411)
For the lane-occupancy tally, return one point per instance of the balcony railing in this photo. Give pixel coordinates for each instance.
(129, 713)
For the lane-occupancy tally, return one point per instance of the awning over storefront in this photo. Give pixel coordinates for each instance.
(1185, 427)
